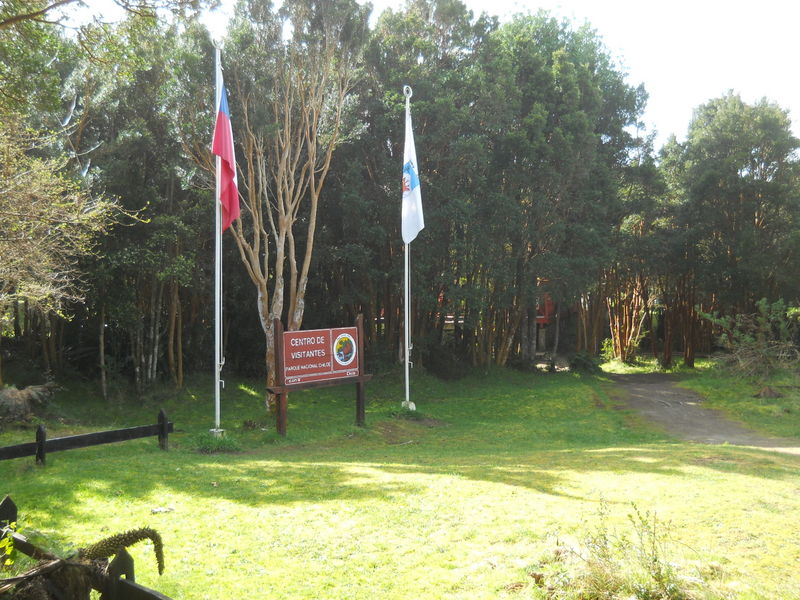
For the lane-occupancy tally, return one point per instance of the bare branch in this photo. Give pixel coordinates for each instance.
(36, 15)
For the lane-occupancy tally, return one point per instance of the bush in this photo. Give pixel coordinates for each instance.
(607, 350)
(208, 443)
(584, 362)
(445, 363)
(610, 565)
(761, 343)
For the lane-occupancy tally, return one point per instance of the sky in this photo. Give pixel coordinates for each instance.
(685, 52)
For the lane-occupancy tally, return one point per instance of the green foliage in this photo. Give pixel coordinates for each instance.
(7, 552)
(523, 131)
(447, 363)
(532, 183)
(735, 182)
(210, 443)
(28, 81)
(608, 564)
(761, 343)
(607, 350)
(584, 362)
(47, 219)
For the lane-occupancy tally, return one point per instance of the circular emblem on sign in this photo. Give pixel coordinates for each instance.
(344, 349)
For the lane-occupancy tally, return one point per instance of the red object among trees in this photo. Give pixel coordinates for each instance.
(545, 310)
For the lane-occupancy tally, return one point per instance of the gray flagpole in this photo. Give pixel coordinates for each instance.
(407, 323)
(218, 360)
(407, 345)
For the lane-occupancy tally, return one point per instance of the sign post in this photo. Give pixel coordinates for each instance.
(318, 358)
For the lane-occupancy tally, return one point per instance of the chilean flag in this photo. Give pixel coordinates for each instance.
(223, 147)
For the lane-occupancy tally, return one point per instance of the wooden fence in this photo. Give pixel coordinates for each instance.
(118, 582)
(42, 445)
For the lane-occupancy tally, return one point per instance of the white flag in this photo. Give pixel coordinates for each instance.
(412, 195)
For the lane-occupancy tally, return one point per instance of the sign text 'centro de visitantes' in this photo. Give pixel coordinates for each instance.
(320, 354)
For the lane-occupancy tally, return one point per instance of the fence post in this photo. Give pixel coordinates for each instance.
(121, 565)
(41, 439)
(361, 418)
(8, 515)
(163, 430)
(282, 399)
(8, 511)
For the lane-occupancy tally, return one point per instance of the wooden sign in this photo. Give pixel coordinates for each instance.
(320, 355)
(318, 358)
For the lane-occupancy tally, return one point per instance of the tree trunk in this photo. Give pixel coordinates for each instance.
(627, 308)
(590, 322)
(669, 327)
(557, 332)
(172, 317)
(17, 328)
(43, 325)
(510, 332)
(523, 338)
(154, 332)
(179, 343)
(101, 342)
(652, 319)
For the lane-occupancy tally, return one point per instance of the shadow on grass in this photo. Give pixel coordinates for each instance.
(531, 433)
(149, 476)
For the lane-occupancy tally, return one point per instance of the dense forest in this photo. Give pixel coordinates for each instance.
(552, 223)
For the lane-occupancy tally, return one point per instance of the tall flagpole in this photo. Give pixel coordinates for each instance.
(407, 322)
(218, 361)
(407, 404)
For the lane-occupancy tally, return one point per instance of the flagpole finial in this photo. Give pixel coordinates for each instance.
(407, 91)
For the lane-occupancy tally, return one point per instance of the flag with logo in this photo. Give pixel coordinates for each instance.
(412, 220)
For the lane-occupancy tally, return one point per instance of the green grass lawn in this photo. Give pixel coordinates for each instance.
(471, 497)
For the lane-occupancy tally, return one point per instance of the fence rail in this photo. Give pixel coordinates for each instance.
(42, 445)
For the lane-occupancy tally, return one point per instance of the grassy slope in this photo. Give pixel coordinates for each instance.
(737, 397)
(457, 504)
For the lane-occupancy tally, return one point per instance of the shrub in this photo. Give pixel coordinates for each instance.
(447, 364)
(761, 343)
(607, 352)
(584, 362)
(208, 443)
(608, 565)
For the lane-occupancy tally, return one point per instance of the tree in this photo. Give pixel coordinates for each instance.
(520, 131)
(50, 12)
(47, 222)
(149, 267)
(432, 47)
(630, 279)
(28, 49)
(291, 94)
(557, 157)
(734, 185)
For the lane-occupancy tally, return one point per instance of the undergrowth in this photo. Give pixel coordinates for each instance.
(209, 443)
(606, 564)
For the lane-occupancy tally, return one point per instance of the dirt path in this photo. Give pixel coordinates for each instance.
(678, 411)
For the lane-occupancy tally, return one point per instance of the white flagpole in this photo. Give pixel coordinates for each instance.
(218, 361)
(407, 346)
